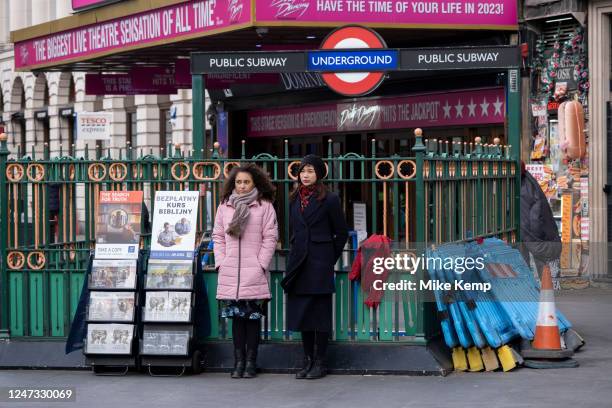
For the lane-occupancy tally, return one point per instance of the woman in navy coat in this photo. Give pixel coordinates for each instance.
(319, 233)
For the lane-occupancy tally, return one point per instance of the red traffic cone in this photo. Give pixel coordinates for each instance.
(547, 335)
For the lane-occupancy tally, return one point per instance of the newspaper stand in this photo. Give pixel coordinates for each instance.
(167, 343)
(114, 362)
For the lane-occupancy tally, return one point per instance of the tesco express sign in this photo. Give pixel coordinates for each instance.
(94, 125)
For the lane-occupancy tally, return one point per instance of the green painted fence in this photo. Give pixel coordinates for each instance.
(440, 194)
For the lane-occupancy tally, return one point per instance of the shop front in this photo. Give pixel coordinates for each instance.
(379, 126)
(351, 123)
(564, 154)
(454, 115)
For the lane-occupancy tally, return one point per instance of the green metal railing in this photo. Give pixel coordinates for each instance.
(442, 193)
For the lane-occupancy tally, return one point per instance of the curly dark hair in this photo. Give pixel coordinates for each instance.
(266, 189)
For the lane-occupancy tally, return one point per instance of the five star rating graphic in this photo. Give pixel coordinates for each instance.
(498, 105)
(472, 108)
(484, 106)
(458, 108)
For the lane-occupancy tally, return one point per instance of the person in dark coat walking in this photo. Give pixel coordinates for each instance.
(319, 233)
(539, 233)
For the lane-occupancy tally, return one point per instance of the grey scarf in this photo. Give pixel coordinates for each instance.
(242, 212)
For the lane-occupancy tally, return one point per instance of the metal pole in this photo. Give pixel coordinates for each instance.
(419, 149)
(4, 281)
(514, 138)
(424, 315)
(198, 115)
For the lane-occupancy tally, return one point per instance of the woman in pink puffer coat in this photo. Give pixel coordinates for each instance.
(245, 236)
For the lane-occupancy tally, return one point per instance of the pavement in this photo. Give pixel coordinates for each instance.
(589, 385)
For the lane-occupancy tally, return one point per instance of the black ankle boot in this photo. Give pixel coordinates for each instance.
(238, 371)
(300, 375)
(250, 370)
(318, 370)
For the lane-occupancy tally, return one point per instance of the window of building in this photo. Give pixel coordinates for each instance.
(165, 129)
(46, 131)
(130, 135)
(18, 126)
(67, 114)
(71, 91)
(18, 122)
(71, 118)
(71, 125)
(43, 118)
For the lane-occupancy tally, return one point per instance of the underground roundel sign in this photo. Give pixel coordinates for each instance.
(353, 83)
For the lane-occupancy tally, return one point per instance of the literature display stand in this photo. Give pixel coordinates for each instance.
(112, 309)
(167, 335)
(137, 319)
(167, 318)
(112, 316)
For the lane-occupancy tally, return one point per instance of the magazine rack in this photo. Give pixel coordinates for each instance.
(166, 344)
(112, 311)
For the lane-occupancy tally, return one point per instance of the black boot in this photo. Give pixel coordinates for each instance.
(318, 370)
(238, 371)
(300, 375)
(251, 364)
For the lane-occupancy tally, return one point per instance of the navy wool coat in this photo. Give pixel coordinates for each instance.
(318, 237)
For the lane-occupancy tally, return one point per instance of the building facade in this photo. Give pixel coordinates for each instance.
(600, 129)
(39, 108)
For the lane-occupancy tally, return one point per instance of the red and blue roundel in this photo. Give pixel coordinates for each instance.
(353, 83)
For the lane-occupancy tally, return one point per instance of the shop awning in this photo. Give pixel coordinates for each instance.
(153, 32)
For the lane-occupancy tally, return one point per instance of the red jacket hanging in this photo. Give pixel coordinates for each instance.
(377, 246)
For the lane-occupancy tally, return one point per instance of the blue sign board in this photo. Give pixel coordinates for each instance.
(346, 60)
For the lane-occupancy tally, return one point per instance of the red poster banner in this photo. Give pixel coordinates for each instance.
(182, 72)
(452, 108)
(123, 84)
(174, 22)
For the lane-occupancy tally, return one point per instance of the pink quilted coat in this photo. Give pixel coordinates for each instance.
(243, 263)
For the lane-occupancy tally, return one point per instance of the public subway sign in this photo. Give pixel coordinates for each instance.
(249, 62)
(483, 106)
(355, 60)
(355, 71)
(459, 58)
(133, 31)
(366, 68)
(456, 14)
